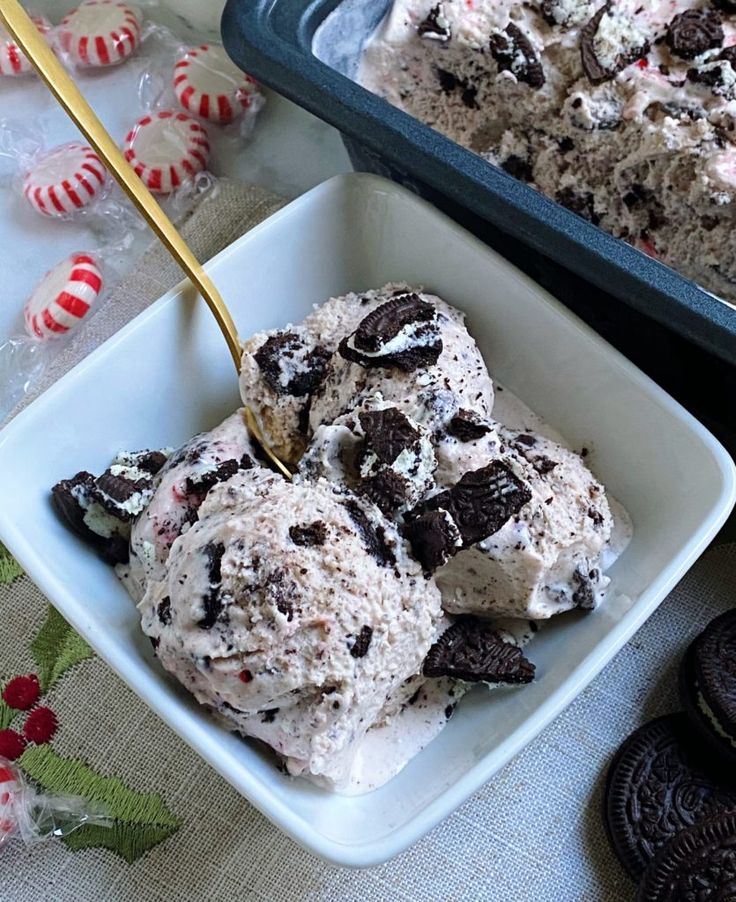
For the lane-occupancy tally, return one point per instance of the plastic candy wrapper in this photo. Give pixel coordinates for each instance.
(61, 304)
(203, 82)
(35, 817)
(66, 182)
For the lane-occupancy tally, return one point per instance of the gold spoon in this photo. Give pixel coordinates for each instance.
(22, 29)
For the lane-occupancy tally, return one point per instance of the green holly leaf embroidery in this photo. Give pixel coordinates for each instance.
(141, 819)
(7, 715)
(56, 648)
(10, 569)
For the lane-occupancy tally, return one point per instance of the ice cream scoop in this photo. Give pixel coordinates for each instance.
(294, 611)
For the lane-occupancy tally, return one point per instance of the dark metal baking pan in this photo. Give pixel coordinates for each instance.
(675, 331)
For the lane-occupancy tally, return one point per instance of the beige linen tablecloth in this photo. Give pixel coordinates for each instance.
(534, 833)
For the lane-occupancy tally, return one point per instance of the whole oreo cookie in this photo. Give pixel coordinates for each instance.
(707, 683)
(474, 651)
(699, 864)
(655, 788)
(403, 333)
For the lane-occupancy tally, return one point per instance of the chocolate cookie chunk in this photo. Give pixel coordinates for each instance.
(373, 537)
(403, 333)
(70, 500)
(359, 648)
(481, 502)
(289, 367)
(467, 426)
(656, 787)
(120, 495)
(387, 433)
(436, 26)
(473, 651)
(728, 6)
(213, 553)
(602, 63)
(698, 864)
(513, 52)
(693, 32)
(434, 538)
(203, 482)
(386, 489)
(309, 535)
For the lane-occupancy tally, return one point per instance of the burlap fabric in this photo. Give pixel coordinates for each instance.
(534, 833)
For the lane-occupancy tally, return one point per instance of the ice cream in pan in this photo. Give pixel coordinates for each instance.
(622, 111)
(341, 615)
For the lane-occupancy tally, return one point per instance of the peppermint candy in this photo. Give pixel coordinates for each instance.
(63, 297)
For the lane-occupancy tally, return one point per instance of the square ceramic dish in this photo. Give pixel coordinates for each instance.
(309, 52)
(168, 375)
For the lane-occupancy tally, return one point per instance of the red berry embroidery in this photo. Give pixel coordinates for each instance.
(245, 676)
(22, 692)
(12, 744)
(40, 725)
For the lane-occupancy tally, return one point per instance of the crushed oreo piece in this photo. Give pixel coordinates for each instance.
(203, 482)
(434, 538)
(163, 611)
(513, 52)
(213, 552)
(115, 494)
(518, 167)
(359, 648)
(150, 461)
(70, 498)
(310, 535)
(481, 502)
(473, 651)
(436, 26)
(583, 597)
(595, 69)
(269, 715)
(373, 537)
(596, 516)
(387, 489)
(582, 203)
(544, 465)
(728, 6)
(370, 344)
(693, 32)
(288, 367)
(115, 550)
(524, 438)
(448, 81)
(468, 426)
(387, 433)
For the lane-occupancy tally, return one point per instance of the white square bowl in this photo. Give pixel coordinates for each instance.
(168, 375)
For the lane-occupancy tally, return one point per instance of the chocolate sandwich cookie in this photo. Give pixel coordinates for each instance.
(656, 787)
(699, 864)
(708, 686)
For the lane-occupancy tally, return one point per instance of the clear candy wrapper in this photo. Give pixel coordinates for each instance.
(203, 82)
(35, 817)
(62, 303)
(65, 182)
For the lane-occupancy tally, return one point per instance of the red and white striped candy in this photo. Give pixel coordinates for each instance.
(63, 297)
(166, 149)
(10, 788)
(100, 32)
(65, 179)
(210, 85)
(12, 59)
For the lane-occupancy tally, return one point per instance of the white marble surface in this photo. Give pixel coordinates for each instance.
(288, 152)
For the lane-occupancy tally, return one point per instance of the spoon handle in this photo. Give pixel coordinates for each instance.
(18, 23)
